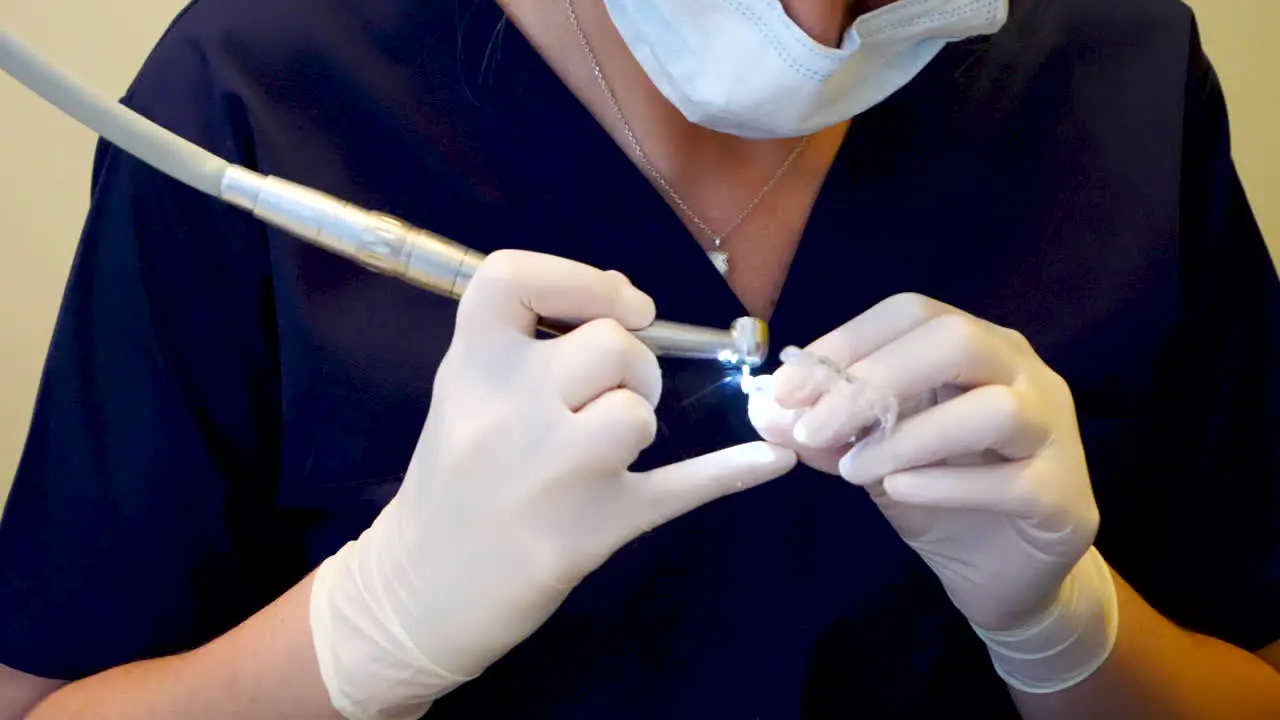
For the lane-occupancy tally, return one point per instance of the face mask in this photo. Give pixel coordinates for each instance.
(743, 67)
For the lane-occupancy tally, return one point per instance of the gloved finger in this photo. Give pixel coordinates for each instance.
(776, 424)
(950, 350)
(657, 496)
(843, 412)
(798, 385)
(773, 422)
(883, 323)
(596, 358)
(513, 288)
(993, 417)
(614, 428)
(1005, 488)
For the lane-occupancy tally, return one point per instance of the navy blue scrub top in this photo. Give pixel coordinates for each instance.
(224, 406)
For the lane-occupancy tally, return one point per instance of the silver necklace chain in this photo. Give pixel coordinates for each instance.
(717, 255)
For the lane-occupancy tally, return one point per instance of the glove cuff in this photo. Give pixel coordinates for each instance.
(369, 665)
(1067, 643)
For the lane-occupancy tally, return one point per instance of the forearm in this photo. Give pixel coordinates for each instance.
(1159, 670)
(266, 667)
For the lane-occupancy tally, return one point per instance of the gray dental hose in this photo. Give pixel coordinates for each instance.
(379, 242)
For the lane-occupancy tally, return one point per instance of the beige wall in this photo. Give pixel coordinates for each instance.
(44, 158)
(1243, 39)
(44, 178)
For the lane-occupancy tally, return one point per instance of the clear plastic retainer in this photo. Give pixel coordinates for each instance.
(829, 376)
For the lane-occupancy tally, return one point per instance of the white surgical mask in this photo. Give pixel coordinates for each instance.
(743, 67)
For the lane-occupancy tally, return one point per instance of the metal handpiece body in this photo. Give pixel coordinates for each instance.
(430, 261)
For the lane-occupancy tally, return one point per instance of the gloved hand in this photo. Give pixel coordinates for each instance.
(987, 482)
(518, 488)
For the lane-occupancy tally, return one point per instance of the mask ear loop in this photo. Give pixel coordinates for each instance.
(853, 392)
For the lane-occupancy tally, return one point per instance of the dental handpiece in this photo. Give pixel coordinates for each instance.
(393, 247)
(374, 240)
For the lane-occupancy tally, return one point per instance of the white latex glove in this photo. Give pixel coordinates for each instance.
(518, 488)
(987, 482)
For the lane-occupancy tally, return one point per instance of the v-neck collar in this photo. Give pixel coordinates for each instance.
(623, 222)
(578, 194)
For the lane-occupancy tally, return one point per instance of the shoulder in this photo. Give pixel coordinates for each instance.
(1110, 66)
(1101, 23)
(301, 82)
(220, 30)
(1074, 36)
(292, 51)
(226, 44)
(1146, 15)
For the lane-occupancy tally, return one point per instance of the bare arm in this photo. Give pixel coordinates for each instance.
(19, 692)
(1159, 670)
(266, 667)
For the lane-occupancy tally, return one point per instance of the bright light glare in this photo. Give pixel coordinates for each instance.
(752, 384)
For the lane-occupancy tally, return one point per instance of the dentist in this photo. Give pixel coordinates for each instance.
(261, 482)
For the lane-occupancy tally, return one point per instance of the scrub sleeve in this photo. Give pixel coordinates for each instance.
(1201, 540)
(140, 522)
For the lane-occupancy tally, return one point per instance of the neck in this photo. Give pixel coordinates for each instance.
(824, 20)
(716, 175)
(827, 20)
(679, 148)
(695, 160)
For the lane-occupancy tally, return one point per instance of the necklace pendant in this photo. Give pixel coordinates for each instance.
(720, 259)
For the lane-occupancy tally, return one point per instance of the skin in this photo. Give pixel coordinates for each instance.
(267, 668)
(925, 481)
(1158, 670)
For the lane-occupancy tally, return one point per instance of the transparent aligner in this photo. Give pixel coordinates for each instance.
(755, 384)
(828, 376)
